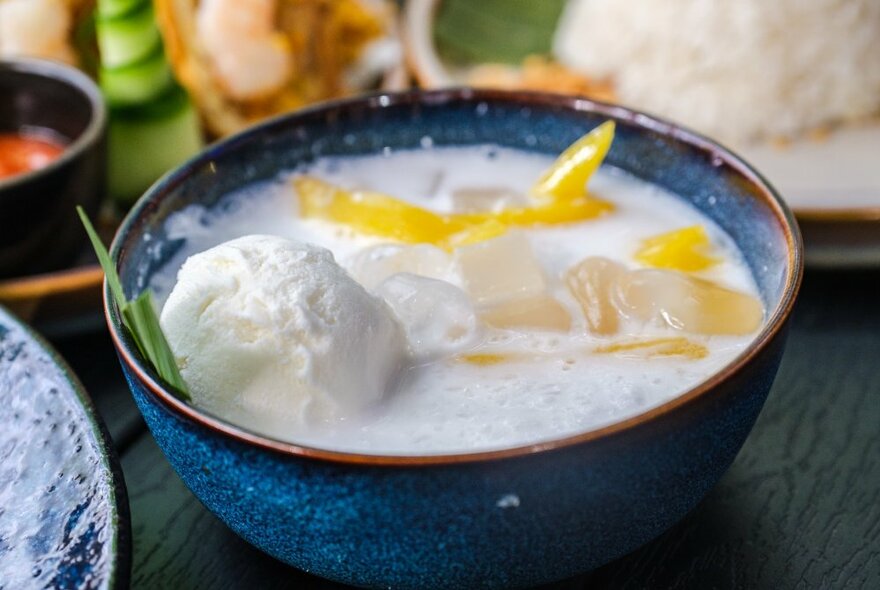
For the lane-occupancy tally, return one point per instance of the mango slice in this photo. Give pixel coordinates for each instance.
(684, 249)
(566, 180)
(381, 215)
(372, 213)
(559, 197)
(655, 347)
(484, 359)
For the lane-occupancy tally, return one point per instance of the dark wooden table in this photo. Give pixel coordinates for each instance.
(800, 508)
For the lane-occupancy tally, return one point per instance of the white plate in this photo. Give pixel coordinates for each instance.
(841, 171)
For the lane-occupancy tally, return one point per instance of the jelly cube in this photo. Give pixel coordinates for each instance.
(486, 199)
(382, 215)
(501, 269)
(539, 312)
(374, 264)
(437, 316)
(592, 282)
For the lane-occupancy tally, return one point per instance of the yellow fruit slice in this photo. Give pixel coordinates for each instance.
(373, 213)
(567, 179)
(560, 197)
(484, 359)
(683, 249)
(385, 216)
(657, 347)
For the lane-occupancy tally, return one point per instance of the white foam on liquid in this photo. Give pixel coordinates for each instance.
(559, 387)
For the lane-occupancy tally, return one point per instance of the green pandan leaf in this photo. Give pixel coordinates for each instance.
(140, 319)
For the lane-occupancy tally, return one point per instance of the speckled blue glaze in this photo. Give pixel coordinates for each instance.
(497, 520)
(64, 520)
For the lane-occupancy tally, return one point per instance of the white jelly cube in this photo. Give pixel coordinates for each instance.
(437, 316)
(478, 200)
(374, 264)
(500, 270)
(541, 312)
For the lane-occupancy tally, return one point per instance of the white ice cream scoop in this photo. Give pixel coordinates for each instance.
(274, 335)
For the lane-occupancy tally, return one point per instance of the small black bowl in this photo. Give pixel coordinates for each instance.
(39, 230)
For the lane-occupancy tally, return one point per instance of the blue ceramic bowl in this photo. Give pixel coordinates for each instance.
(509, 518)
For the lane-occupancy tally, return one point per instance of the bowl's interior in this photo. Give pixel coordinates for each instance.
(700, 172)
(35, 99)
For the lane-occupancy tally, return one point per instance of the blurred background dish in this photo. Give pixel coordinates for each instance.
(794, 87)
(244, 60)
(172, 81)
(137, 50)
(52, 125)
(65, 520)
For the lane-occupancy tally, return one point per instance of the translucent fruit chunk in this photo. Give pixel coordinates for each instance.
(374, 264)
(684, 249)
(500, 270)
(437, 316)
(592, 282)
(486, 199)
(687, 303)
(540, 312)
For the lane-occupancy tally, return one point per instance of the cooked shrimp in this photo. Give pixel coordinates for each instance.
(249, 58)
(35, 28)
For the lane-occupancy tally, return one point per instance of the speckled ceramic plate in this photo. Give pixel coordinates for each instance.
(64, 520)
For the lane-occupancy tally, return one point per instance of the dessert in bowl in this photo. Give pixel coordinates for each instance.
(506, 436)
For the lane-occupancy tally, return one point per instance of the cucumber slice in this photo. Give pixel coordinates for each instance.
(137, 83)
(145, 143)
(118, 8)
(129, 39)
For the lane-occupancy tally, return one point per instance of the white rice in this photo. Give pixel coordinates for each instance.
(737, 70)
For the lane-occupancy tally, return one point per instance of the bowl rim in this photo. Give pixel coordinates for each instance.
(772, 326)
(76, 79)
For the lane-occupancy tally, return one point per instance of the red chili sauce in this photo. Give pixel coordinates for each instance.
(23, 152)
